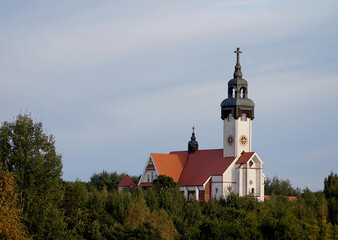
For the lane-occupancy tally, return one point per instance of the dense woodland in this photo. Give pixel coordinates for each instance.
(35, 203)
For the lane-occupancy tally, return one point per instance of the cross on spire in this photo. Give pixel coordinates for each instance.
(238, 52)
(193, 129)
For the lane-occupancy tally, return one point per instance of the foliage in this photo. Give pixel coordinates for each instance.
(108, 180)
(11, 226)
(279, 187)
(52, 209)
(30, 155)
(331, 194)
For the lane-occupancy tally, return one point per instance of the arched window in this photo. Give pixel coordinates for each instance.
(244, 117)
(243, 92)
(148, 178)
(231, 92)
(252, 190)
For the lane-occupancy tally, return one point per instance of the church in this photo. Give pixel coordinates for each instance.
(212, 173)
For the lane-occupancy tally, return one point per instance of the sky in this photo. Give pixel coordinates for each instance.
(114, 81)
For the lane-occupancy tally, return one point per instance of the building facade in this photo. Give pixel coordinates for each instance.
(213, 173)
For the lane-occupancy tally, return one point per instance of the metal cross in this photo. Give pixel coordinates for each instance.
(193, 129)
(238, 52)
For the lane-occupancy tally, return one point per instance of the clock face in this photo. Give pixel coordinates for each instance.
(243, 140)
(230, 140)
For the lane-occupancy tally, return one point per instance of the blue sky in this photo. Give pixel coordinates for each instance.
(116, 80)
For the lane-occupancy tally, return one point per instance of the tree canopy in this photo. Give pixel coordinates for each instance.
(35, 202)
(29, 154)
(11, 226)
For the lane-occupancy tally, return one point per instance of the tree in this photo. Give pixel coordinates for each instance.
(11, 226)
(30, 155)
(331, 194)
(110, 180)
(164, 182)
(279, 187)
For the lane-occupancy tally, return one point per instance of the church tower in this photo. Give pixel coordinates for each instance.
(237, 113)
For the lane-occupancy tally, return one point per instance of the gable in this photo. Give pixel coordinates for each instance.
(126, 182)
(245, 157)
(170, 164)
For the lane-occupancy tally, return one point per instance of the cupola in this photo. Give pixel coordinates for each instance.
(193, 144)
(237, 102)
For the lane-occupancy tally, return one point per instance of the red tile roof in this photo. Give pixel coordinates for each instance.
(126, 182)
(201, 165)
(244, 158)
(169, 164)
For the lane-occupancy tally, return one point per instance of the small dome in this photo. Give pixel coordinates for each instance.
(237, 82)
(192, 144)
(232, 102)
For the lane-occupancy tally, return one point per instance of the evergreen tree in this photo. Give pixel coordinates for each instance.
(331, 194)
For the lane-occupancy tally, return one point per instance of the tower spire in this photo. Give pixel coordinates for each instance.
(193, 144)
(238, 72)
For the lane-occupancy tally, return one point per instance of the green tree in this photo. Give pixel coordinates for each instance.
(30, 155)
(110, 180)
(331, 194)
(11, 227)
(279, 187)
(163, 182)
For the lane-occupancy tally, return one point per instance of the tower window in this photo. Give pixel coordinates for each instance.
(152, 176)
(244, 117)
(243, 140)
(230, 140)
(252, 190)
(243, 92)
(148, 178)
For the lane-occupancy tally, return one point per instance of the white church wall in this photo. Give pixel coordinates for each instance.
(217, 186)
(235, 178)
(262, 187)
(230, 181)
(243, 179)
(229, 130)
(259, 178)
(149, 175)
(185, 191)
(251, 179)
(243, 128)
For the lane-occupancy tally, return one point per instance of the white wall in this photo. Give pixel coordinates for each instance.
(228, 130)
(243, 128)
(216, 187)
(236, 129)
(253, 174)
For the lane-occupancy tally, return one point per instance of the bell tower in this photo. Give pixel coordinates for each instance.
(237, 113)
